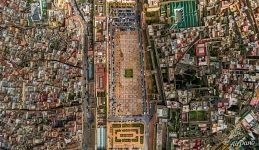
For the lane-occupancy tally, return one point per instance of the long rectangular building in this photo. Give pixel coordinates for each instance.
(102, 136)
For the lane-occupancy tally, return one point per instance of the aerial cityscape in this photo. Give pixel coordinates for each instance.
(129, 74)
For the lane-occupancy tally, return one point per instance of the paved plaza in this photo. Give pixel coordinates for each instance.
(127, 90)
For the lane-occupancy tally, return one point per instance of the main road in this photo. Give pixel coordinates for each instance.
(88, 116)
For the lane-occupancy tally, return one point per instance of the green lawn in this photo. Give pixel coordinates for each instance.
(153, 21)
(128, 73)
(174, 119)
(83, 1)
(192, 115)
(116, 125)
(126, 125)
(135, 140)
(152, 14)
(116, 131)
(101, 94)
(141, 140)
(141, 129)
(197, 115)
(201, 115)
(30, 1)
(141, 126)
(126, 140)
(117, 140)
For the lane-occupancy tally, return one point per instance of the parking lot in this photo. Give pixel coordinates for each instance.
(124, 18)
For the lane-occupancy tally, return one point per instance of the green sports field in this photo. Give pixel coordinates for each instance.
(188, 17)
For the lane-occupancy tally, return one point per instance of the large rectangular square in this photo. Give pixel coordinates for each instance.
(127, 69)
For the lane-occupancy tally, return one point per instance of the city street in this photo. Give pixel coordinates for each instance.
(88, 120)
